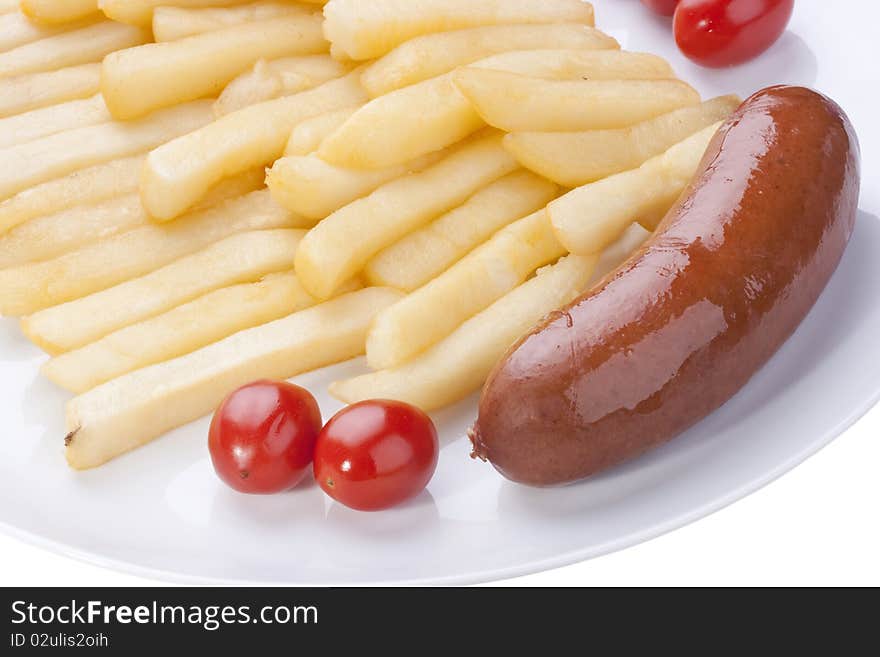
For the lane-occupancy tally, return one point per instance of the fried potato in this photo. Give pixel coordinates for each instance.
(338, 247)
(31, 91)
(85, 187)
(7, 6)
(28, 288)
(270, 79)
(432, 55)
(558, 64)
(475, 282)
(16, 29)
(429, 251)
(52, 235)
(516, 102)
(616, 253)
(128, 412)
(139, 80)
(59, 11)
(140, 12)
(308, 135)
(314, 188)
(363, 30)
(172, 23)
(589, 218)
(457, 366)
(82, 46)
(179, 331)
(52, 120)
(177, 174)
(35, 162)
(575, 158)
(241, 258)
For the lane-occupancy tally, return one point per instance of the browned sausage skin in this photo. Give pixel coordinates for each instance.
(678, 329)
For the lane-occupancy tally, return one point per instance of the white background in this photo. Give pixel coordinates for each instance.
(819, 524)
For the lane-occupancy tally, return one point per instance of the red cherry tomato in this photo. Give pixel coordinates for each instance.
(262, 438)
(726, 32)
(375, 454)
(662, 7)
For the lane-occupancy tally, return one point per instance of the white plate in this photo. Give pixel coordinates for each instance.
(161, 512)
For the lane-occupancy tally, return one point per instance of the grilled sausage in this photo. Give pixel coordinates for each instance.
(674, 332)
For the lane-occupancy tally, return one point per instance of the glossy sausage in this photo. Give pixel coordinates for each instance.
(674, 332)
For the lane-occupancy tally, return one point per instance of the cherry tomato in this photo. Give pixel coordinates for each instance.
(375, 454)
(262, 438)
(662, 7)
(727, 32)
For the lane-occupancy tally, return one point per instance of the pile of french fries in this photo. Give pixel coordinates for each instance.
(198, 193)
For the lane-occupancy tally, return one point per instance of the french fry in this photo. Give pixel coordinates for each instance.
(430, 115)
(16, 29)
(308, 135)
(172, 23)
(52, 120)
(432, 55)
(140, 12)
(314, 188)
(28, 288)
(59, 11)
(241, 258)
(338, 247)
(7, 6)
(31, 91)
(575, 158)
(132, 410)
(82, 46)
(179, 331)
(35, 162)
(428, 252)
(52, 235)
(139, 80)
(589, 218)
(475, 282)
(85, 187)
(516, 102)
(363, 30)
(270, 79)
(177, 174)
(458, 365)
(616, 253)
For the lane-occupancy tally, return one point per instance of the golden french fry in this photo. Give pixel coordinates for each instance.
(52, 120)
(82, 46)
(575, 158)
(458, 365)
(516, 102)
(475, 282)
(574, 64)
(7, 6)
(52, 235)
(28, 288)
(589, 218)
(16, 29)
(140, 12)
(431, 55)
(177, 174)
(179, 331)
(616, 253)
(59, 11)
(363, 30)
(314, 188)
(172, 23)
(31, 91)
(338, 247)
(429, 251)
(139, 80)
(240, 258)
(270, 79)
(85, 187)
(128, 412)
(308, 135)
(35, 162)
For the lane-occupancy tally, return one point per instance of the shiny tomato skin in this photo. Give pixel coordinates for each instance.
(719, 33)
(262, 437)
(375, 454)
(662, 7)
